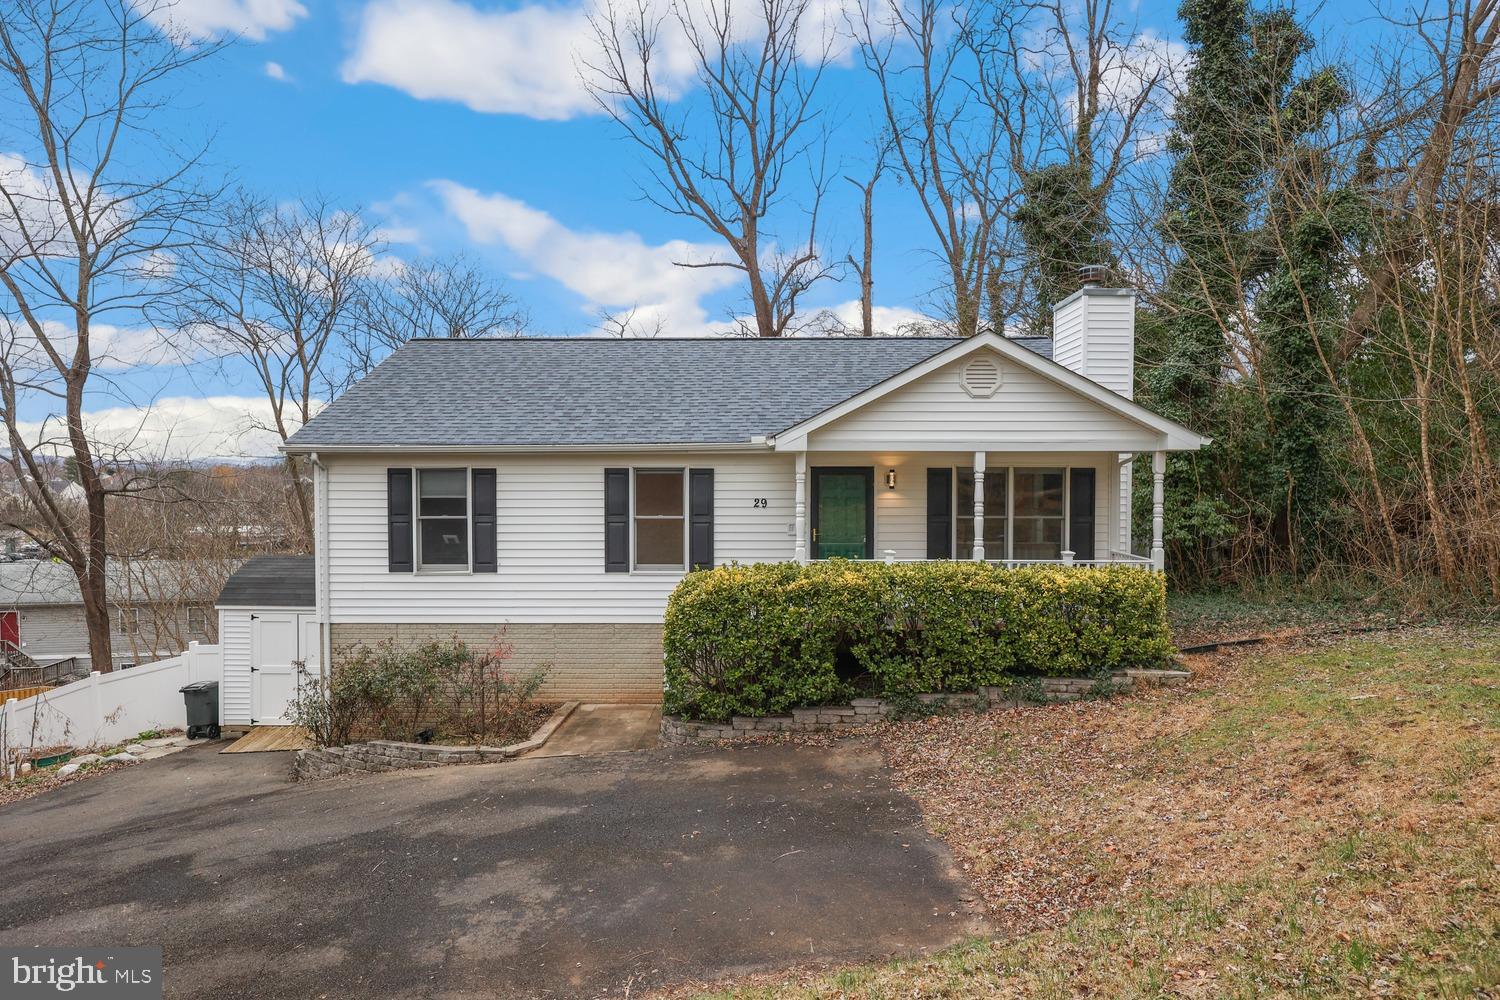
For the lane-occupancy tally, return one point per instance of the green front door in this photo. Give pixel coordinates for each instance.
(843, 525)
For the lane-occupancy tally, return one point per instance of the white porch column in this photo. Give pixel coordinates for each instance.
(979, 506)
(1158, 478)
(801, 526)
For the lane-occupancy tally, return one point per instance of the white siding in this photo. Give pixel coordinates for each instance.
(1111, 342)
(1093, 334)
(1028, 413)
(551, 539)
(55, 631)
(234, 689)
(1068, 334)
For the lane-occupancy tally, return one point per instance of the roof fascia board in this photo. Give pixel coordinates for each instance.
(515, 449)
(942, 446)
(264, 607)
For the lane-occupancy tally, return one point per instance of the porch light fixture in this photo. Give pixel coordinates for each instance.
(890, 479)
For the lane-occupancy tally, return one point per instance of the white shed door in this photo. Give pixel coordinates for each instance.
(277, 639)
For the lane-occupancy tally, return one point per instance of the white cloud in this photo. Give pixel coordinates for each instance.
(202, 19)
(277, 72)
(886, 319)
(113, 348)
(177, 428)
(516, 61)
(527, 60)
(613, 271)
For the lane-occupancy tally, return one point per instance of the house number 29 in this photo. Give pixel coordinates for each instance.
(758, 502)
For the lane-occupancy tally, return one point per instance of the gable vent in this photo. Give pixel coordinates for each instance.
(981, 378)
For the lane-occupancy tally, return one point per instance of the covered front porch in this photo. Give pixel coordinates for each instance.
(1008, 508)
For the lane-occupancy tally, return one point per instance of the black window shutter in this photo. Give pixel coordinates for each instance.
(700, 519)
(939, 514)
(1081, 513)
(398, 520)
(482, 522)
(616, 520)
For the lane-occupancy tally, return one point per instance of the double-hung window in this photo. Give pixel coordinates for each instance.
(995, 513)
(660, 520)
(197, 620)
(442, 519)
(128, 621)
(1039, 514)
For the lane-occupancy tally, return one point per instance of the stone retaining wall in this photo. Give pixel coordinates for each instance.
(864, 711)
(389, 755)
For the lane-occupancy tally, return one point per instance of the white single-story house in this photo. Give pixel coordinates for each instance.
(549, 493)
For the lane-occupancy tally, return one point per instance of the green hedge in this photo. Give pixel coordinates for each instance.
(766, 638)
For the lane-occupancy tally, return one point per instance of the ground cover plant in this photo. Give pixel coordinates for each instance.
(1312, 820)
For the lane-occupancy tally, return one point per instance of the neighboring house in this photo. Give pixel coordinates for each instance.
(558, 489)
(151, 615)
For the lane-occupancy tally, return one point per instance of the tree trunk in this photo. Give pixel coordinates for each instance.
(301, 503)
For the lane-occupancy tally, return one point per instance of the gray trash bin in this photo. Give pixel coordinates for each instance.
(202, 698)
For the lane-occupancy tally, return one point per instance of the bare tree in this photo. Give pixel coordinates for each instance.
(280, 289)
(94, 203)
(1078, 86)
(864, 266)
(629, 324)
(1448, 86)
(447, 297)
(721, 156)
(924, 56)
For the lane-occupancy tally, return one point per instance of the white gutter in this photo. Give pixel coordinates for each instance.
(516, 449)
(321, 565)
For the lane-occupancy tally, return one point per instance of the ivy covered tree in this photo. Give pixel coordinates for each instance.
(1233, 350)
(1062, 222)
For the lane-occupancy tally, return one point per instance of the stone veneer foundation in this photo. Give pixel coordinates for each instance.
(588, 662)
(865, 711)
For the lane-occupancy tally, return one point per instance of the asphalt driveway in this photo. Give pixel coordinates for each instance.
(564, 876)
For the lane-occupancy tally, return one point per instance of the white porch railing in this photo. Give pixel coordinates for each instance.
(1114, 559)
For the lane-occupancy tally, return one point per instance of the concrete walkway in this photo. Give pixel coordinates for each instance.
(594, 729)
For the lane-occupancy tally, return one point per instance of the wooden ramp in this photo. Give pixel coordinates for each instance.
(263, 739)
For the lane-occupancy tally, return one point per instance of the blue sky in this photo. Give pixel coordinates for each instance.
(459, 125)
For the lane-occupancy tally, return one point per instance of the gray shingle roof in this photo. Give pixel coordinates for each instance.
(575, 391)
(44, 582)
(271, 582)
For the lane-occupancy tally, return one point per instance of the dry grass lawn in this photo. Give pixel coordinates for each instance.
(1315, 822)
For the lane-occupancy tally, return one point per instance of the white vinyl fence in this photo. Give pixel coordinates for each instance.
(108, 708)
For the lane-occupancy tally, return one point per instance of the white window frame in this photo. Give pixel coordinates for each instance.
(1067, 485)
(131, 614)
(1010, 509)
(442, 569)
(958, 473)
(201, 611)
(654, 568)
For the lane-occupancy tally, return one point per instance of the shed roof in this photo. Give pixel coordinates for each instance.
(271, 582)
(578, 391)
